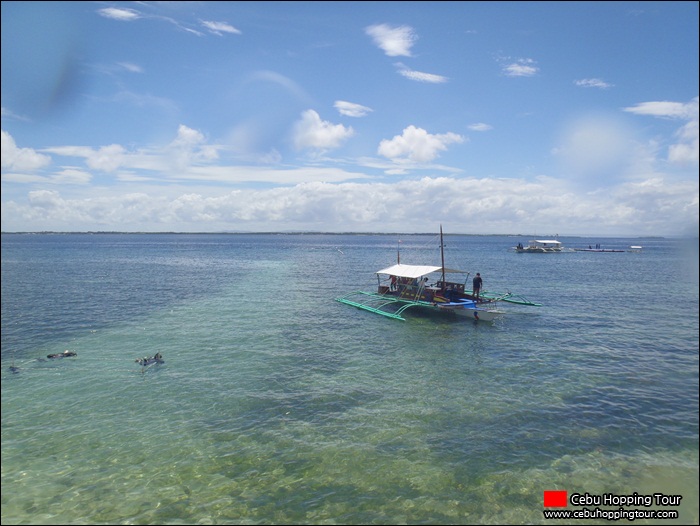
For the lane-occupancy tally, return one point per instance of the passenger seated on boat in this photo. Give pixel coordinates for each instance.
(393, 283)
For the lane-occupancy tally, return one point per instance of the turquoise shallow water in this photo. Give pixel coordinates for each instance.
(277, 404)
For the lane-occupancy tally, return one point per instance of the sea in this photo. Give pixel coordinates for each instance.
(276, 404)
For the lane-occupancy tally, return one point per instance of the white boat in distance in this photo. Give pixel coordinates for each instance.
(424, 287)
(540, 246)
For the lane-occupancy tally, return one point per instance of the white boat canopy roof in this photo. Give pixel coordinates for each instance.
(548, 241)
(413, 271)
(409, 271)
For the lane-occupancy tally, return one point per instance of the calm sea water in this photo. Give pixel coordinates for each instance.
(277, 404)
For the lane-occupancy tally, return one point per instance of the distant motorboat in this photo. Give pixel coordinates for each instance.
(598, 250)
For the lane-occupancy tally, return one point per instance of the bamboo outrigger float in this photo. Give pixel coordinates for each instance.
(409, 287)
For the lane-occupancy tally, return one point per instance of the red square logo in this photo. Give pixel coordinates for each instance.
(555, 499)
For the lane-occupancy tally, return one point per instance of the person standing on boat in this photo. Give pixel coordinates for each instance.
(477, 282)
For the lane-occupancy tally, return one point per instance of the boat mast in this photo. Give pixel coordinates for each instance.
(442, 256)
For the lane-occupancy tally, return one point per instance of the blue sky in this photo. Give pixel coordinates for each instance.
(574, 118)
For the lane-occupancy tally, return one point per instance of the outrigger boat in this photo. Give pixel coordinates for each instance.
(540, 246)
(411, 287)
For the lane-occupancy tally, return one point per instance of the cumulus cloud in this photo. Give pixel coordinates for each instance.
(394, 41)
(312, 132)
(417, 145)
(21, 159)
(20, 164)
(495, 205)
(188, 148)
(685, 151)
(350, 109)
(107, 158)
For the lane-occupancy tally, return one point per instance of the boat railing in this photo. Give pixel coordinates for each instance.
(449, 285)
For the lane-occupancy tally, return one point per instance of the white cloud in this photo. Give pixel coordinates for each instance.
(220, 27)
(119, 13)
(188, 148)
(593, 83)
(6, 113)
(187, 138)
(107, 158)
(312, 132)
(655, 206)
(480, 126)
(524, 67)
(420, 76)
(350, 109)
(21, 159)
(417, 145)
(686, 150)
(71, 176)
(394, 41)
(133, 68)
(672, 110)
(188, 157)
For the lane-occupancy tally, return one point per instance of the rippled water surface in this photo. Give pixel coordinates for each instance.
(277, 404)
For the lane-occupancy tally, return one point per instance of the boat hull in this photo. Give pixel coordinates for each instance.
(394, 306)
(597, 250)
(469, 313)
(537, 250)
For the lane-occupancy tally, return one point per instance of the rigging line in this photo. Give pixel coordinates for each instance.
(430, 245)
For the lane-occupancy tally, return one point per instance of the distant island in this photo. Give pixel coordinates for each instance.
(307, 233)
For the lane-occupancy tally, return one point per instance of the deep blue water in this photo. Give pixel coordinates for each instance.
(277, 404)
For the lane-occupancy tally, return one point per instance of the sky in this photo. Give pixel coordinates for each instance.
(539, 118)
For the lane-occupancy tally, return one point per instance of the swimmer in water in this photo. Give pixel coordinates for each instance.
(157, 358)
(63, 354)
